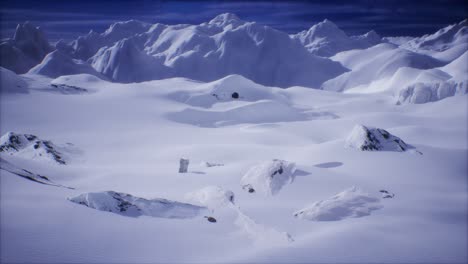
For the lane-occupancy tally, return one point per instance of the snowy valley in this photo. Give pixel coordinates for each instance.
(308, 147)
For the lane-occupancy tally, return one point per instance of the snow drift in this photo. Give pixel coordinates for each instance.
(268, 177)
(350, 203)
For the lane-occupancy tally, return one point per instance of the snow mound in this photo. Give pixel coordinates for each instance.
(11, 83)
(57, 63)
(376, 63)
(268, 177)
(326, 39)
(374, 139)
(421, 93)
(26, 49)
(350, 203)
(228, 89)
(458, 68)
(31, 147)
(128, 205)
(212, 197)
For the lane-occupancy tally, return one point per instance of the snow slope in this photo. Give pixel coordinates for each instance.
(10, 82)
(130, 145)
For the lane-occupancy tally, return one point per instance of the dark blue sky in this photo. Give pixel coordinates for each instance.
(70, 18)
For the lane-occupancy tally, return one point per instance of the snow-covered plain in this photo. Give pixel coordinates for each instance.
(357, 206)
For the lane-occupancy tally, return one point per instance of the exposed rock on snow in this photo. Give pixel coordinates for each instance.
(11, 83)
(268, 177)
(31, 147)
(56, 64)
(183, 165)
(326, 39)
(7, 166)
(26, 49)
(350, 203)
(421, 93)
(374, 139)
(212, 197)
(386, 194)
(211, 164)
(128, 205)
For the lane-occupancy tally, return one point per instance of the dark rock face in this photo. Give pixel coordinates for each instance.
(26, 49)
(375, 139)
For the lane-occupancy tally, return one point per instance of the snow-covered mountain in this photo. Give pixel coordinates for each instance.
(26, 49)
(57, 64)
(209, 51)
(326, 39)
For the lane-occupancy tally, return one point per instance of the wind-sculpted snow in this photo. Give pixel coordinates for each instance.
(11, 83)
(26, 49)
(268, 177)
(350, 203)
(128, 205)
(421, 93)
(212, 197)
(31, 147)
(374, 139)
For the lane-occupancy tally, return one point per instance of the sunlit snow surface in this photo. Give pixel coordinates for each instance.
(89, 167)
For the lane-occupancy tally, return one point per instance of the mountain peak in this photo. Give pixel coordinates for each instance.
(225, 19)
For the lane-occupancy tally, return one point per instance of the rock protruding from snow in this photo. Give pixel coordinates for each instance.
(268, 177)
(57, 63)
(26, 49)
(10, 82)
(421, 93)
(374, 139)
(31, 147)
(350, 203)
(212, 197)
(128, 205)
(183, 165)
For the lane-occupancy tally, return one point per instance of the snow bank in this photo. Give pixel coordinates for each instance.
(350, 203)
(11, 83)
(128, 205)
(421, 93)
(374, 139)
(268, 177)
(31, 147)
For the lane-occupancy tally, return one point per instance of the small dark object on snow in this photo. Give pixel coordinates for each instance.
(386, 194)
(211, 219)
(235, 95)
(251, 190)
